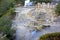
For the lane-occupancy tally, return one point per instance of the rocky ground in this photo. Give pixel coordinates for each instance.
(24, 24)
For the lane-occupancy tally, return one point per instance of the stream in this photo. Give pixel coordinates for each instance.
(24, 33)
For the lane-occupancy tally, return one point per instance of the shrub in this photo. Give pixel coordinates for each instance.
(5, 5)
(6, 10)
(6, 24)
(46, 1)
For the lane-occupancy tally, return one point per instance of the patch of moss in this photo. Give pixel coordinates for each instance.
(51, 36)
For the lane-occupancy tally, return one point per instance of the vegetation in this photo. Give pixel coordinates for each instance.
(6, 10)
(5, 5)
(35, 1)
(46, 1)
(20, 1)
(58, 9)
(51, 36)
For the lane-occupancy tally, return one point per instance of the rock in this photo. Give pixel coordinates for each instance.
(45, 26)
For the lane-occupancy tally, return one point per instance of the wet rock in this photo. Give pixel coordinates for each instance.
(45, 26)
